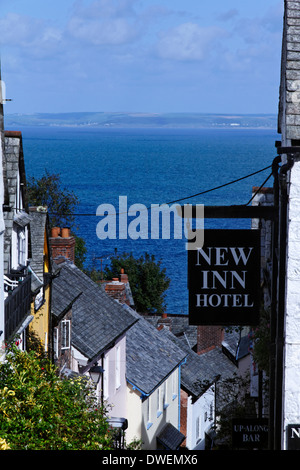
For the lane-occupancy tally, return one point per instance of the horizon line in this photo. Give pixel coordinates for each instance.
(149, 113)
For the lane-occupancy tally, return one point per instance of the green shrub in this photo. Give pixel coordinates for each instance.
(40, 411)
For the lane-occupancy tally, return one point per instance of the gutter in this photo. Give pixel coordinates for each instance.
(179, 386)
(145, 394)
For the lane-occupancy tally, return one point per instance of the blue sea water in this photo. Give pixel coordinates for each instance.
(150, 166)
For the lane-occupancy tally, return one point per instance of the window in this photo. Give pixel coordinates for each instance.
(211, 411)
(198, 428)
(39, 299)
(65, 334)
(118, 367)
(105, 378)
(55, 343)
(174, 385)
(21, 247)
(46, 341)
(165, 395)
(19, 202)
(148, 411)
(158, 395)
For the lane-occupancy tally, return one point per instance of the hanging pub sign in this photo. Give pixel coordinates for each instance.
(250, 433)
(224, 278)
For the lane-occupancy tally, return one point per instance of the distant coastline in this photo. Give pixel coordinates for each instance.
(143, 120)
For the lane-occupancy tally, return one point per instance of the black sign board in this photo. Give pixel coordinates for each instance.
(293, 436)
(250, 433)
(224, 278)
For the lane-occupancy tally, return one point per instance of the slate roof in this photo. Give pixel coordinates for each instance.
(150, 357)
(201, 371)
(38, 221)
(97, 320)
(237, 343)
(63, 294)
(170, 437)
(179, 326)
(13, 164)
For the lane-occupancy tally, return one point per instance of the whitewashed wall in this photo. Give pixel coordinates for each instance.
(147, 417)
(291, 395)
(200, 418)
(2, 228)
(114, 383)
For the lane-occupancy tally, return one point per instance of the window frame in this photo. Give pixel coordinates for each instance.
(118, 368)
(65, 334)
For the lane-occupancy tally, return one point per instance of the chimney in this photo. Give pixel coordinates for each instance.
(119, 289)
(116, 290)
(62, 244)
(209, 337)
(164, 322)
(123, 277)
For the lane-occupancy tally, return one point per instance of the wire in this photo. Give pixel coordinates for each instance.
(221, 186)
(259, 189)
(187, 197)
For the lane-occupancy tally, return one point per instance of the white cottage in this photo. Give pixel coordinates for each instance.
(97, 334)
(153, 373)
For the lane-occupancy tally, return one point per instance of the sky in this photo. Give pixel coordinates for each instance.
(149, 56)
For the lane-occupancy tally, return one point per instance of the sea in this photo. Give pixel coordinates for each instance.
(150, 166)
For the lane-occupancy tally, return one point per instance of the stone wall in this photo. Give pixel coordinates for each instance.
(289, 127)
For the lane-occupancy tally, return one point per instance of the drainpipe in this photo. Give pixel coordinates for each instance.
(273, 319)
(179, 388)
(283, 194)
(179, 397)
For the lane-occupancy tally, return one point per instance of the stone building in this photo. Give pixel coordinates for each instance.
(285, 327)
(17, 247)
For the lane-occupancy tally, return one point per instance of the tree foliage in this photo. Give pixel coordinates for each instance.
(261, 341)
(48, 191)
(233, 401)
(61, 203)
(148, 280)
(40, 411)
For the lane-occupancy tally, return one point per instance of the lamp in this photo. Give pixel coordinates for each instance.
(95, 373)
(120, 423)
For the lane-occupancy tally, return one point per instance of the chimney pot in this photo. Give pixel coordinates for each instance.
(65, 232)
(123, 277)
(164, 322)
(62, 246)
(55, 232)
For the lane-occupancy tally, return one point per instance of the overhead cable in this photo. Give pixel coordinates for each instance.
(188, 197)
